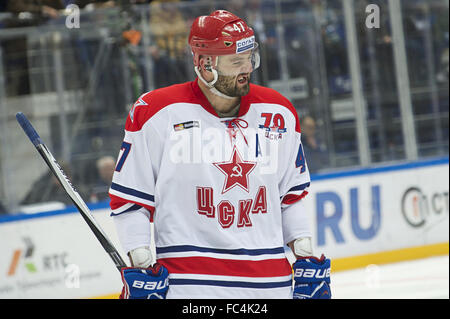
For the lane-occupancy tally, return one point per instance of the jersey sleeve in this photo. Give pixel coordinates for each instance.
(295, 181)
(133, 183)
(294, 187)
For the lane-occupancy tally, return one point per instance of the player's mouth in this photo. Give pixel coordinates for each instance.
(242, 79)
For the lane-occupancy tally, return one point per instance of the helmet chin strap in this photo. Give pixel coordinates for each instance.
(210, 85)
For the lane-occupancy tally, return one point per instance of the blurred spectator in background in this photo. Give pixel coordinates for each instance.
(48, 189)
(169, 35)
(2, 209)
(25, 13)
(16, 68)
(315, 152)
(3, 5)
(384, 54)
(40, 9)
(440, 32)
(93, 4)
(105, 169)
(333, 34)
(442, 76)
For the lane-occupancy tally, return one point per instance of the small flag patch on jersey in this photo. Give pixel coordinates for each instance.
(186, 125)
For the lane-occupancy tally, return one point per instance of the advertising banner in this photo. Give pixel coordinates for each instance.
(380, 209)
(57, 256)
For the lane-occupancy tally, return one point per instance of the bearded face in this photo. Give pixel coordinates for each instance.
(234, 86)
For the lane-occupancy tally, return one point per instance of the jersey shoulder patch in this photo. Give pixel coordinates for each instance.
(150, 103)
(139, 102)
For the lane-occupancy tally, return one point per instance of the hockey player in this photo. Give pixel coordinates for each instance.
(217, 164)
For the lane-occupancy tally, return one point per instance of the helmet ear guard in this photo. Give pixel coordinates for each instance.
(214, 72)
(205, 63)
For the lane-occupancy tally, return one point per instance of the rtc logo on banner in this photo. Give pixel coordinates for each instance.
(25, 258)
(27, 254)
(419, 208)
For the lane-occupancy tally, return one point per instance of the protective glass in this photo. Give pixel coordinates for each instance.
(235, 64)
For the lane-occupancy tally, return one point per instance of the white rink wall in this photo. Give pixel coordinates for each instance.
(381, 209)
(55, 255)
(58, 257)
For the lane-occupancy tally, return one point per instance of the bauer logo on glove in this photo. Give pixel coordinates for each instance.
(312, 278)
(312, 273)
(150, 285)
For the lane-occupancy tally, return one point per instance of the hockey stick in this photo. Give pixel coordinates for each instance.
(70, 190)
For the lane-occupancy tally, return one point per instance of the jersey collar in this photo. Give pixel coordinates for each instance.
(243, 109)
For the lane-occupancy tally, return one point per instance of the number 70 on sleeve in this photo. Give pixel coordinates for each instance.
(125, 150)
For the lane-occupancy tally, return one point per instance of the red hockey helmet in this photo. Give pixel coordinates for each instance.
(220, 33)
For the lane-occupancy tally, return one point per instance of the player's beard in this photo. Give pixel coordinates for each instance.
(229, 85)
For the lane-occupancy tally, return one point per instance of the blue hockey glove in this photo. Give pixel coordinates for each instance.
(312, 278)
(145, 283)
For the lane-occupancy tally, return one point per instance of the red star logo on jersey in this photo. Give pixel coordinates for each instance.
(236, 171)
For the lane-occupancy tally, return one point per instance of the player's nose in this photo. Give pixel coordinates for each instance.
(247, 68)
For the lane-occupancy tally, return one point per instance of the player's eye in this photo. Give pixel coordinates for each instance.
(241, 62)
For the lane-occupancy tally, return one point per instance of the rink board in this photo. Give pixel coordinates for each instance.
(366, 216)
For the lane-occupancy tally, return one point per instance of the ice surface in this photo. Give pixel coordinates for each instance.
(417, 279)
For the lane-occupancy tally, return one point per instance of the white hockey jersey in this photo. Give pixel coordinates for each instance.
(224, 193)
